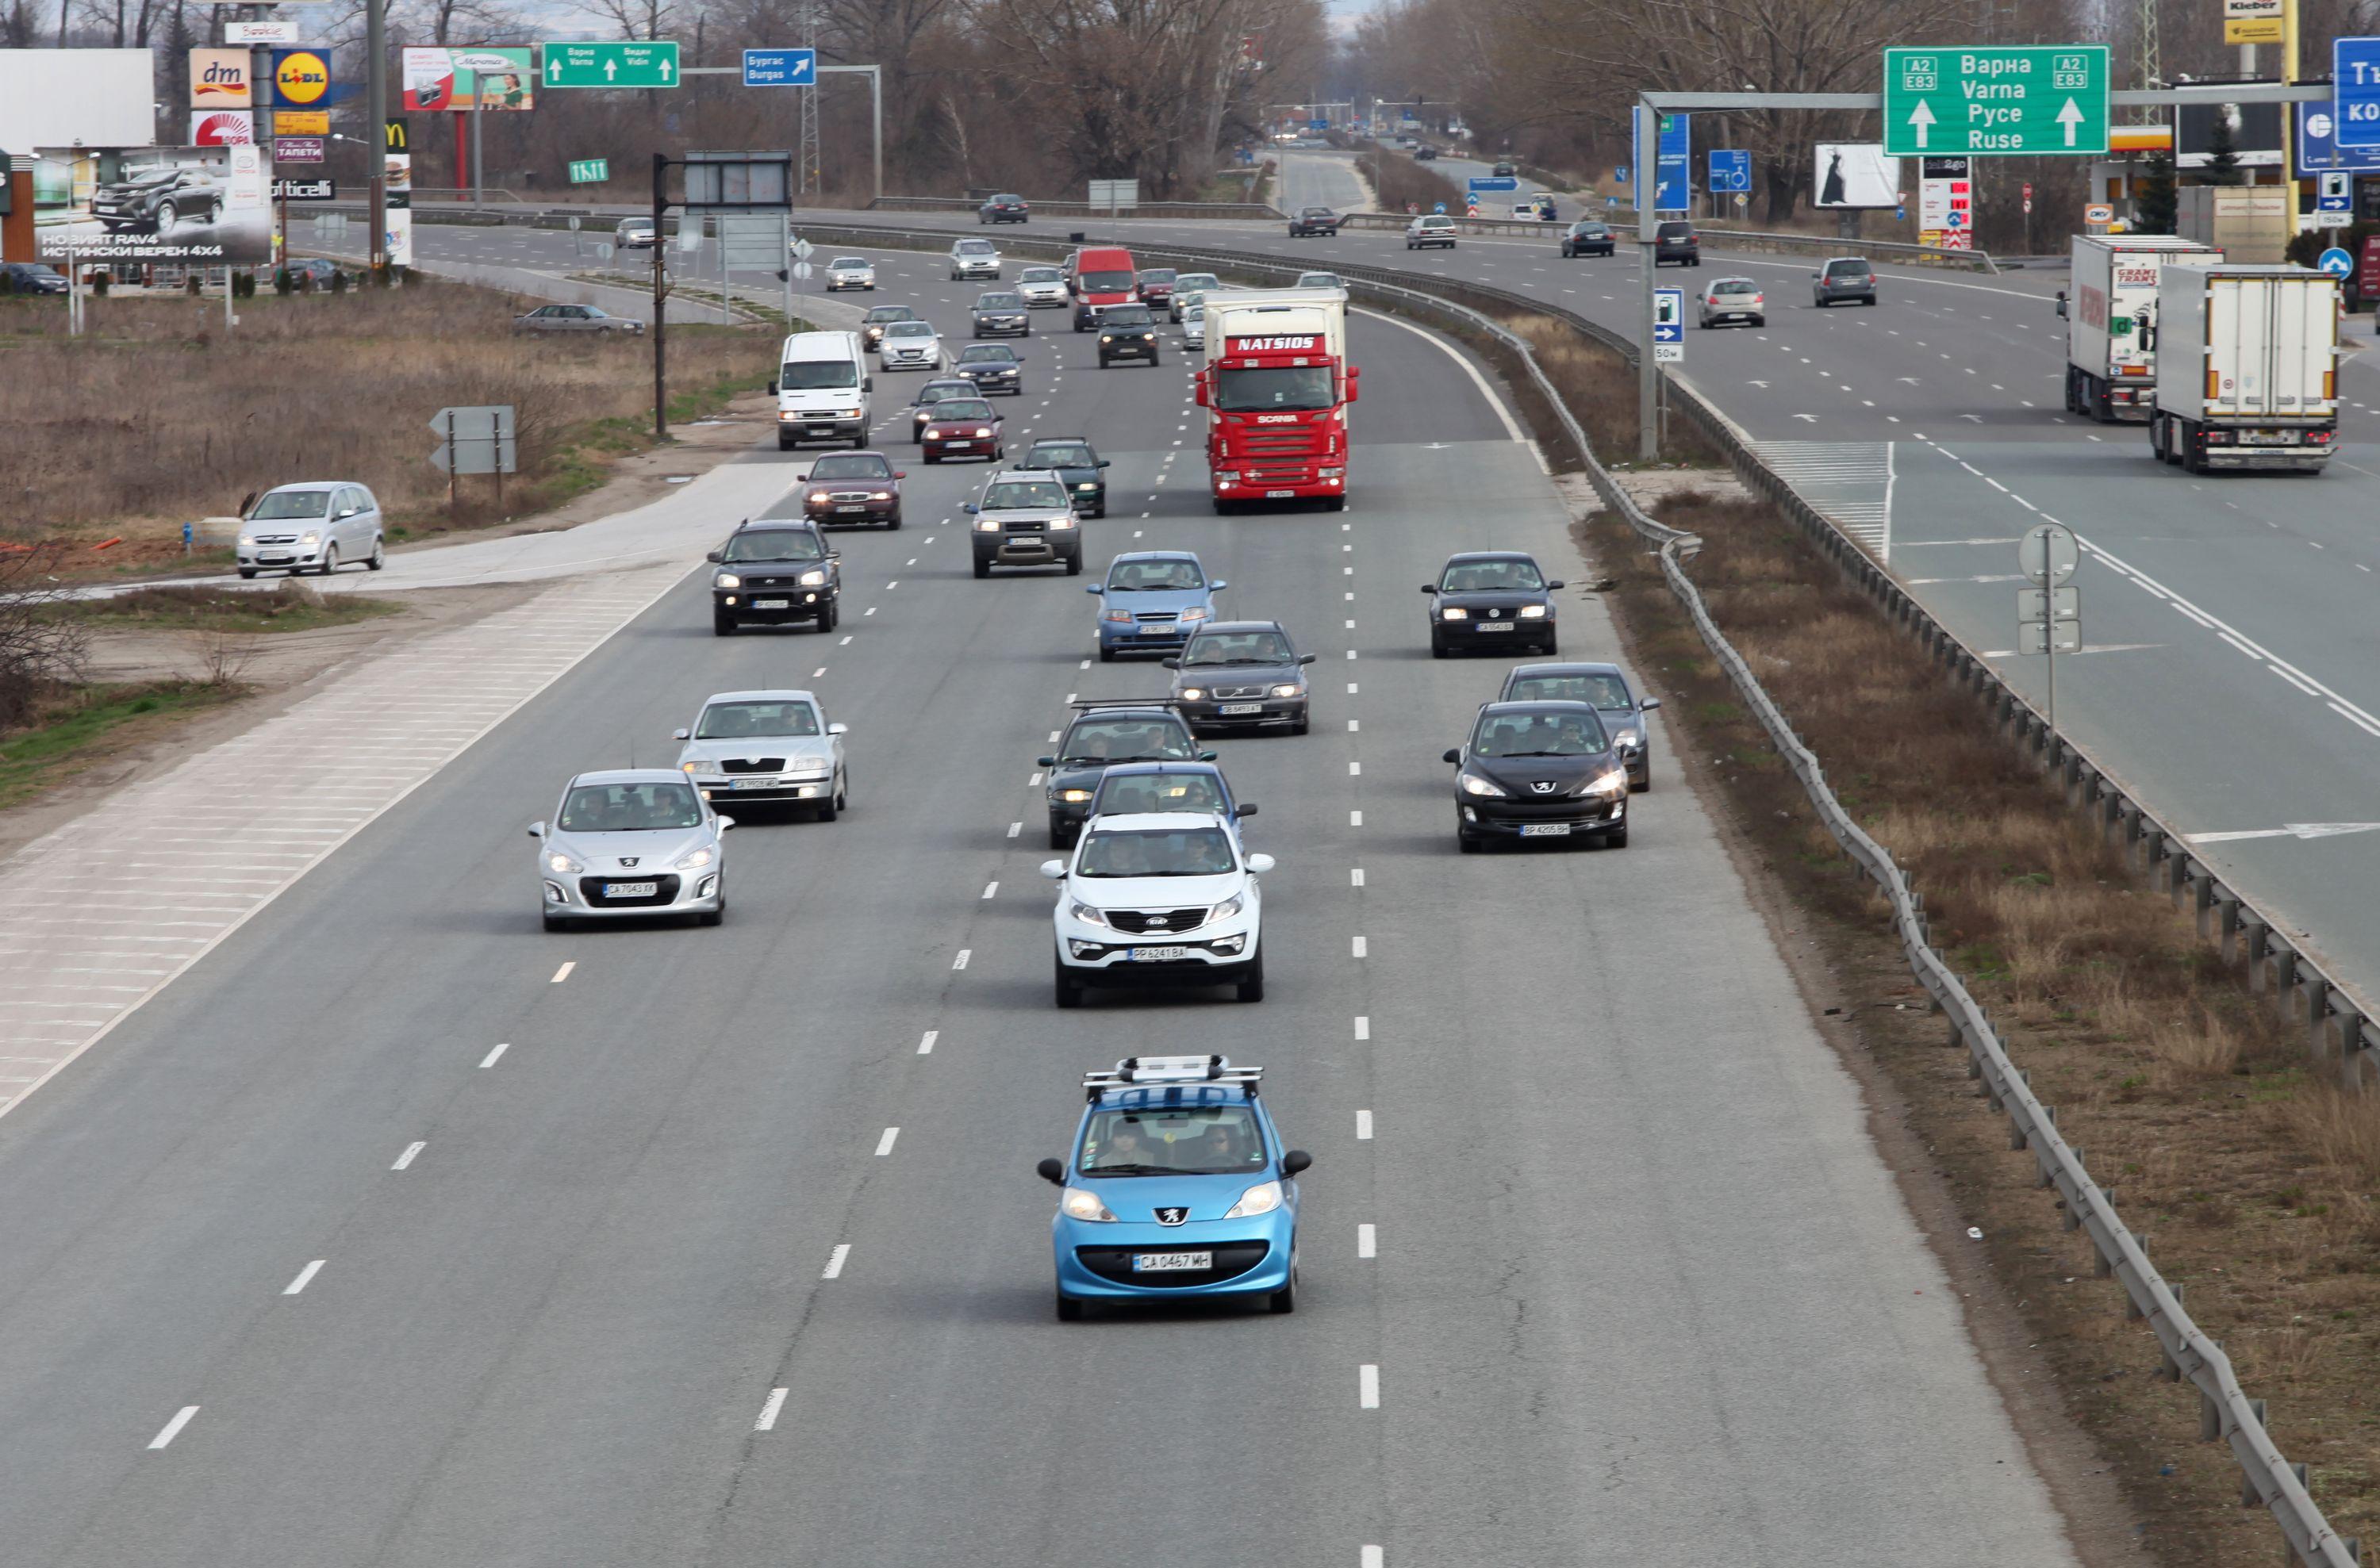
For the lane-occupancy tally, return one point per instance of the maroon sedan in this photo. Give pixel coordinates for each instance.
(963, 427)
(847, 489)
(1156, 284)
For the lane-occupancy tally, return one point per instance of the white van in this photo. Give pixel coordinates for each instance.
(821, 388)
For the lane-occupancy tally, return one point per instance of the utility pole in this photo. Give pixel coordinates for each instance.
(1644, 164)
(376, 100)
(661, 296)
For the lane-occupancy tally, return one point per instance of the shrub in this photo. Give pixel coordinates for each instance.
(99, 284)
(339, 282)
(283, 283)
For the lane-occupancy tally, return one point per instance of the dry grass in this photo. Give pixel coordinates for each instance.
(1601, 394)
(158, 415)
(2252, 1180)
(1397, 180)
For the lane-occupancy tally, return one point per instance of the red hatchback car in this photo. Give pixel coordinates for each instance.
(963, 427)
(849, 488)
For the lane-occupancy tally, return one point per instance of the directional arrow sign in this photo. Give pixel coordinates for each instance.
(2000, 100)
(650, 64)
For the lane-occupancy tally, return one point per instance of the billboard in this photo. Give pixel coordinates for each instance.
(1855, 173)
(76, 98)
(188, 206)
(219, 79)
(461, 78)
(222, 127)
(301, 78)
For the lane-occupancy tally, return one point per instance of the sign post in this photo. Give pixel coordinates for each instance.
(1996, 102)
(2049, 614)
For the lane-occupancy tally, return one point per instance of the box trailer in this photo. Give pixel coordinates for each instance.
(2110, 370)
(2247, 368)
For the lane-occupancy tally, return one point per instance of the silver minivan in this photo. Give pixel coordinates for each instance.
(312, 526)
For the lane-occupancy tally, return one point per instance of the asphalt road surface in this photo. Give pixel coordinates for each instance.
(399, 1232)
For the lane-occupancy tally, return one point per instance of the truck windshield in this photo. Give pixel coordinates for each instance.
(1105, 283)
(816, 375)
(1288, 386)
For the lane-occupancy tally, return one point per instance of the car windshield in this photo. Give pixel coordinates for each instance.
(1128, 740)
(292, 503)
(934, 391)
(1572, 734)
(1040, 275)
(991, 352)
(732, 721)
(1735, 285)
(1013, 494)
(1491, 577)
(975, 248)
(1273, 387)
(775, 544)
(951, 408)
(844, 263)
(630, 808)
(1319, 279)
(1236, 647)
(851, 465)
(1156, 275)
(816, 375)
(1105, 283)
(1601, 691)
(889, 313)
(1127, 316)
(999, 302)
(1173, 1140)
(1188, 282)
(1061, 457)
(633, 225)
(1155, 576)
(1145, 794)
(1187, 851)
(909, 330)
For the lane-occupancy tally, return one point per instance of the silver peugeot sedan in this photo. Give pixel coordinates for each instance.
(773, 746)
(632, 843)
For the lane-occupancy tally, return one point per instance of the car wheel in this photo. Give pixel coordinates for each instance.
(1618, 840)
(831, 808)
(1070, 1310)
(1552, 646)
(1067, 992)
(893, 522)
(1301, 727)
(1869, 300)
(983, 569)
(556, 922)
(860, 441)
(329, 561)
(932, 457)
(712, 917)
(166, 217)
(1060, 838)
(832, 618)
(1106, 654)
(379, 557)
(1152, 361)
(722, 623)
(1469, 843)
(1251, 989)
(1074, 564)
(1760, 321)
(248, 571)
(1437, 645)
(785, 443)
(1285, 1298)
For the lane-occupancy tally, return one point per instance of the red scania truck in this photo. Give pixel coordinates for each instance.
(1276, 387)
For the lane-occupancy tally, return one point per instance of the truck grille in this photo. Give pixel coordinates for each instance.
(1276, 440)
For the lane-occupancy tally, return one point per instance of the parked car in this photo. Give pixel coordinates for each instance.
(1733, 299)
(1007, 208)
(154, 200)
(1588, 237)
(1676, 242)
(1310, 220)
(310, 526)
(1843, 277)
(850, 272)
(847, 489)
(1430, 228)
(963, 427)
(634, 233)
(1424, 153)
(317, 271)
(575, 319)
(30, 277)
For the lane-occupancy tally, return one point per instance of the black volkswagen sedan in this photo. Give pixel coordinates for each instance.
(1235, 672)
(1494, 599)
(1538, 770)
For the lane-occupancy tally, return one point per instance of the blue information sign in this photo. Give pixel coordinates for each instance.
(1672, 185)
(2355, 84)
(1669, 315)
(781, 67)
(2318, 154)
(2337, 262)
(1493, 183)
(1730, 169)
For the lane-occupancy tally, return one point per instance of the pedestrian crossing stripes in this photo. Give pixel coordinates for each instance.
(1851, 482)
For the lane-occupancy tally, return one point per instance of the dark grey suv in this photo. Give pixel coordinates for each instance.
(1676, 242)
(1845, 277)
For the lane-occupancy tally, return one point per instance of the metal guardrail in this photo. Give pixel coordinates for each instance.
(1738, 239)
(2226, 1412)
(1085, 209)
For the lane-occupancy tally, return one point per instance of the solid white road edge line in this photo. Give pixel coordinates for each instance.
(1512, 425)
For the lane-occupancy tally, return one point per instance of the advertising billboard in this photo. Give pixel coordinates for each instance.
(77, 98)
(222, 127)
(460, 80)
(301, 78)
(187, 206)
(219, 79)
(1855, 173)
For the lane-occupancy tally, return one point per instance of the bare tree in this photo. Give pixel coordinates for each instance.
(40, 648)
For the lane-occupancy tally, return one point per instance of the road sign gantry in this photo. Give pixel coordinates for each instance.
(638, 64)
(1996, 102)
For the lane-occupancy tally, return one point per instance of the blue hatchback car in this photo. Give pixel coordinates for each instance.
(1178, 1187)
(1153, 599)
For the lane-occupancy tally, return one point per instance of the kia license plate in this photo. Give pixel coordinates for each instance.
(1229, 709)
(1159, 955)
(1496, 625)
(1170, 1262)
(773, 604)
(631, 889)
(1544, 830)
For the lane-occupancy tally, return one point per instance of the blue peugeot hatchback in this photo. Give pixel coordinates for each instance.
(1153, 599)
(1178, 1187)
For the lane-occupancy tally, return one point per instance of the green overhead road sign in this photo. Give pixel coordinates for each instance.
(590, 171)
(611, 64)
(1995, 100)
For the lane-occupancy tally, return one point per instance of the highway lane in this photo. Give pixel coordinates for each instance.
(1619, 1300)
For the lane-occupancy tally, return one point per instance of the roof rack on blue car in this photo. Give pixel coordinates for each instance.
(1144, 1071)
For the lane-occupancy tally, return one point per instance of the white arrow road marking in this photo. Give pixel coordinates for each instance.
(2293, 830)
(1921, 118)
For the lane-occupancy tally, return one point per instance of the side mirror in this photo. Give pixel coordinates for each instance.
(712, 557)
(899, 472)
(1243, 811)
(1649, 703)
(1453, 754)
(1104, 462)
(1354, 384)
(726, 823)
(1429, 587)
(773, 389)
(537, 830)
(867, 383)
(968, 508)
(1045, 762)
(1198, 390)
(1095, 589)
(681, 734)
(1054, 1172)
(1556, 583)
(1054, 870)
(838, 728)
(1294, 1161)
(1169, 664)
(1260, 862)
(1308, 659)
(1218, 586)
(1205, 757)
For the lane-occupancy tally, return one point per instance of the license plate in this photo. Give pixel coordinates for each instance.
(1170, 1262)
(2268, 437)
(1159, 955)
(1544, 830)
(631, 889)
(1242, 707)
(751, 783)
(1280, 495)
(1157, 631)
(773, 604)
(1496, 625)
(847, 510)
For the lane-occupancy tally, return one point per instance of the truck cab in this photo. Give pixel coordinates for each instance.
(1277, 387)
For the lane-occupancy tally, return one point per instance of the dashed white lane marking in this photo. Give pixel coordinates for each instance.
(775, 1402)
(1372, 1556)
(835, 1259)
(846, 641)
(174, 1427)
(1353, 725)
(1368, 1386)
(1355, 876)
(1351, 597)
(818, 671)
(1362, 950)
(406, 1158)
(563, 972)
(990, 889)
(961, 961)
(1014, 829)
(1355, 769)
(884, 1145)
(894, 583)
(1367, 1243)
(1363, 1028)
(489, 1059)
(1363, 1126)
(926, 1046)
(1350, 653)
(1351, 626)
(1085, 664)
(1351, 688)
(869, 612)
(1355, 819)
(305, 1277)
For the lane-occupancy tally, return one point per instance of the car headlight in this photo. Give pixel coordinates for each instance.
(1061, 523)
(983, 429)
(563, 864)
(1288, 690)
(1261, 1198)
(1612, 783)
(815, 768)
(1533, 612)
(1088, 485)
(814, 579)
(1087, 914)
(696, 860)
(310, 538)
(1121, 616)
(879, 495)
(1105, 338)
(987, 526)
(1474, 785)
(1074, 797)
(1196, 613)
(1225, 909)
(727, 580)
(1077, 1203)
(1452, 612)
(689, 767)
(1628, 738)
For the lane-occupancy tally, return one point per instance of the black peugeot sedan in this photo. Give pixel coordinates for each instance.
(1076, 461)
(994, 367)
(1538, 770)
(1241, 672)
(1606, 688)
(772, 572)
(1495, 599)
